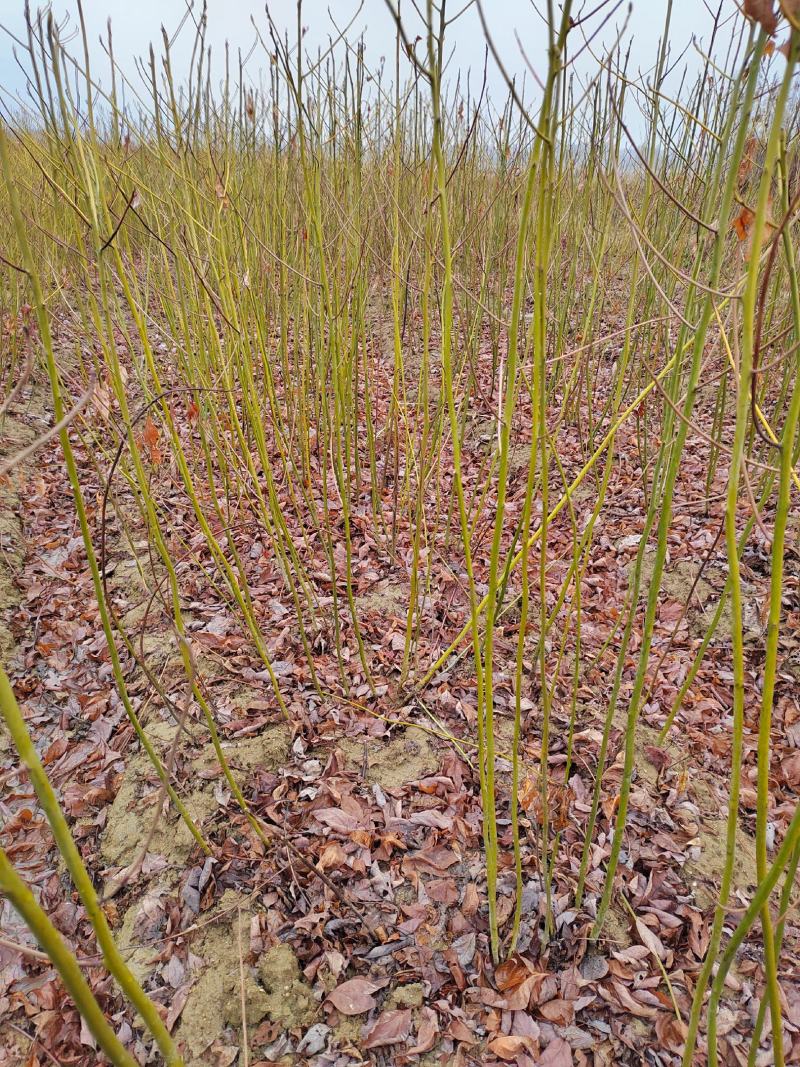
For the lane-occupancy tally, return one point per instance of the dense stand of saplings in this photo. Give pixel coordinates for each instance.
(281, 260)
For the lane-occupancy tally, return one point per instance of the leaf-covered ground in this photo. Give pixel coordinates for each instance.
(359, 932)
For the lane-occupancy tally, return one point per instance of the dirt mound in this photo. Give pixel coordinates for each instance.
(130, 817)
(216, 980)
(680, 581)
(390, 764)
(26, 421)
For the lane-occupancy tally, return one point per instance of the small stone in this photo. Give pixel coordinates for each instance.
(593, 967)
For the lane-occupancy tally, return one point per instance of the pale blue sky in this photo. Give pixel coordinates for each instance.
(137, 22)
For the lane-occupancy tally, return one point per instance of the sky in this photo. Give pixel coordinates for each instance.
(136, 23)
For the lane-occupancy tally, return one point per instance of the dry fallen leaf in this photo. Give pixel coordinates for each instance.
(354, 996)
(672, 1032)
(649, 939)
(558, 1011)
(332, 856)
(392, 1026)
(557, 1054)
(509, 1046)
(427, 1032)
(528, 793)
(222, 194)
(459, 1031)
(657, 757)
(518, 999)
(469, 905)
(790, 770)
(101, 400)
(510, 974)
(593, 967)
(339, 821)
(432, 860)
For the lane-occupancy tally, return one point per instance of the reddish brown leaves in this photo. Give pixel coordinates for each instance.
(354, 996)
(391, 1027)
(748, 160)
(511, 974)
(657, 757)
(406, 855)
(508, 1047)
(150, 440)
(742, 223)
(743, 228)
(427, 1032)
(762, 12)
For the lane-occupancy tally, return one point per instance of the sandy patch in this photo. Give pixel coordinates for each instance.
(131, 814)
(405, 758)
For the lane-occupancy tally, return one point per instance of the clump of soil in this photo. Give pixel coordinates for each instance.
(704, 871)
(678, 582)
(18, 429)
(616, 932)
(222, 978)
(131, 814)
(519, 458)
(529, 765)
(15, 1046)
(215, 1001)
(288, 999)
(411, 995)
(386, 598)
(268, 749)
(391, 764)
(132, 940)
(126, 577)
(706, 820)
